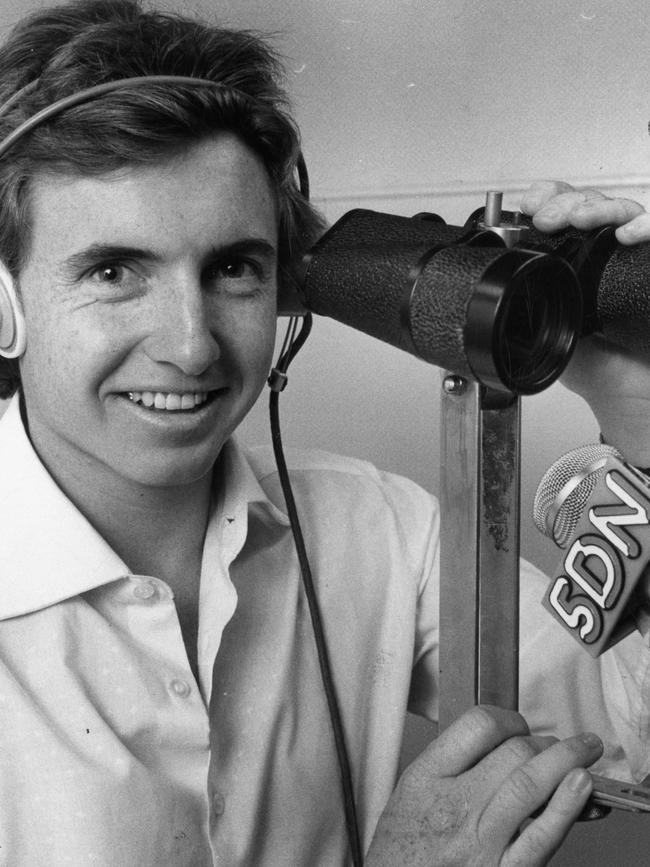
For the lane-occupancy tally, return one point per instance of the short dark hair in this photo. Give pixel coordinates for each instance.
(67, 48)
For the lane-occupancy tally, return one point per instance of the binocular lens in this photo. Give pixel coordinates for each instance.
(528, 309)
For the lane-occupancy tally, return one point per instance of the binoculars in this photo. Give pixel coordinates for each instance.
(494, 300)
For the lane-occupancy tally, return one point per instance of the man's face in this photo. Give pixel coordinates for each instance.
(150, 301)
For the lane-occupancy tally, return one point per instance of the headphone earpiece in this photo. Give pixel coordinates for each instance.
(12, 321)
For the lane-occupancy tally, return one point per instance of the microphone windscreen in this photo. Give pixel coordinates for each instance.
(565, 488)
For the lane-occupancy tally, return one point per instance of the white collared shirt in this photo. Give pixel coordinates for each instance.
(112, 755)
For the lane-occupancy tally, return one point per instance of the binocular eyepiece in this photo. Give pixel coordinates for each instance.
(493, 300)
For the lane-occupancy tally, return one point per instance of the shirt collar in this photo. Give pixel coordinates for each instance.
(241, 482)
(48, 550)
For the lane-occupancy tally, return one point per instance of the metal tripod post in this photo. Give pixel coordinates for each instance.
(479, 554)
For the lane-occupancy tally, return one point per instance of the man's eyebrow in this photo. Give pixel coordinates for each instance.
(97, 253)
(252, 246)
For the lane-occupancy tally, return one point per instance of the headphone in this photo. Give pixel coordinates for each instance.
(12, 321)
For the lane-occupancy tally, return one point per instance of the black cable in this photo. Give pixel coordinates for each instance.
(277, 382)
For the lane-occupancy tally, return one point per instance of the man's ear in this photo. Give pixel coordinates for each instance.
(12, 321)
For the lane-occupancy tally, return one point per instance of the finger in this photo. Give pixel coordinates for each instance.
(510, 754)
(636, 231)
(532, 784)
(491, 771)
(469, 738)
(544, 835)
(540, 192)
(597, 211)
(557, 213)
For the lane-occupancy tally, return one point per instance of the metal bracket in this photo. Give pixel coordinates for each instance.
(479, 556)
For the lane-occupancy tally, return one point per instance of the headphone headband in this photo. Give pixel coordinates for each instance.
(97, 90)
(87, 95)
(12, 331)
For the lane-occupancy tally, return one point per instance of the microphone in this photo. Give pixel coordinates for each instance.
(594, 505)
(597, 508)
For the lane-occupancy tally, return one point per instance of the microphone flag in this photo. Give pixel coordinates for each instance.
(601, 517)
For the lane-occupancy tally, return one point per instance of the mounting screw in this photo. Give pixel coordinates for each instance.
(454, 384)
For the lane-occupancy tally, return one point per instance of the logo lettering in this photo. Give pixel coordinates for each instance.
(595, 566)
(630, 513)
(578, 612)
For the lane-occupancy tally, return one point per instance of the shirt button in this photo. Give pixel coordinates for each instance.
(144, 590)
(180, 688)
(218, 804)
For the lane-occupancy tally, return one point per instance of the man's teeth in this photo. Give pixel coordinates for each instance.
(173, 401)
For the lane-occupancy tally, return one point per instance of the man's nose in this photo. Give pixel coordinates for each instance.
(181, 332)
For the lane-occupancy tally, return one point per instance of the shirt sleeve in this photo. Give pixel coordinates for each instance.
(563, 690)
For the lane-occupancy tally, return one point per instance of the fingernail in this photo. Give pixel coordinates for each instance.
(578, 780)
(591, 740)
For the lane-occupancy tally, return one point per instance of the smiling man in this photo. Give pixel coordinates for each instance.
(160, 695)
(150, 295)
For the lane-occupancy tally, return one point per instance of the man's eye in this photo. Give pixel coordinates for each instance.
(116, 281)
(240, 275)
(236, 269)
(109, 273)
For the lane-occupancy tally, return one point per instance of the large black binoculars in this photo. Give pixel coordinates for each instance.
(494, 300)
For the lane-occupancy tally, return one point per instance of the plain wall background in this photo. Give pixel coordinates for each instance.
(409, 105)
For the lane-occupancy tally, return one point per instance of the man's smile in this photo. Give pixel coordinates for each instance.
(169, 401)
